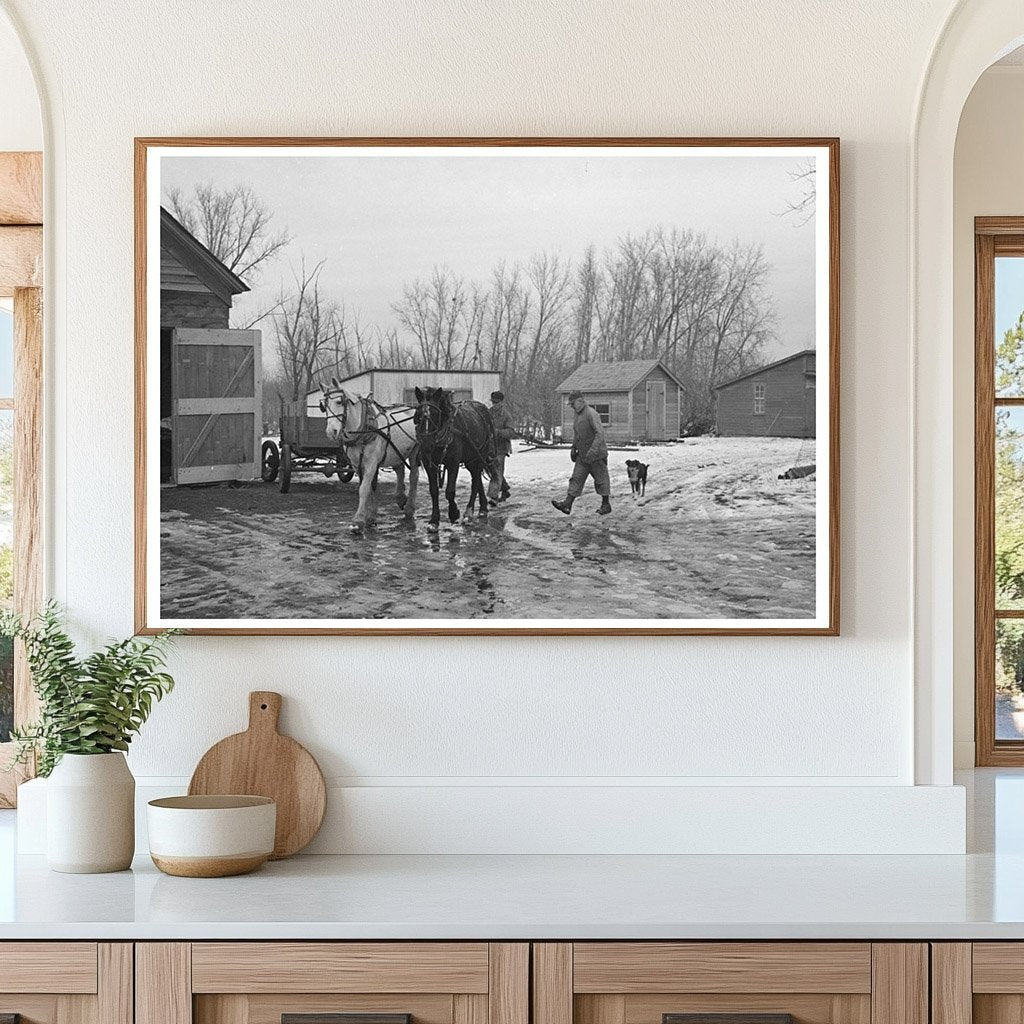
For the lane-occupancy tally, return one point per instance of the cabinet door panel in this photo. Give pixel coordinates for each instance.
(66, 967)
(635, 967)
(219, 967)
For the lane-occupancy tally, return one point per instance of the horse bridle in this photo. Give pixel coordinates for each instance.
(345, 436)
(441, 436)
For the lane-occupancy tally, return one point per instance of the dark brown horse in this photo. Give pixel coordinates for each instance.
(450, 435)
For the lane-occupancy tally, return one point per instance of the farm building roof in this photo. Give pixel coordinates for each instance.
(611, 376)
(187, 249)
(767, 366)
(415, 369)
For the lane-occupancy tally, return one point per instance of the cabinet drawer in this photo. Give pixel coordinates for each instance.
(332, 983)
(66, 982)
(730, 983)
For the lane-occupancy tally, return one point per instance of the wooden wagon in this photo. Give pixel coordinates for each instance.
(303, 447)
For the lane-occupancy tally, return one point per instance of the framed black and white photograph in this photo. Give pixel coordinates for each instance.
(562, 386)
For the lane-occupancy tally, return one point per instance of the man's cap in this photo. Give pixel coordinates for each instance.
(573, 395)
(497, 396)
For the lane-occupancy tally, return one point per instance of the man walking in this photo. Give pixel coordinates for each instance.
(590, 454)
(498, 490)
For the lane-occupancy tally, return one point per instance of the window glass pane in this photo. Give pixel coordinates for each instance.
(6, 354)
(6, 563)
(1009, 532)
(1009, 324)
(1009, 679)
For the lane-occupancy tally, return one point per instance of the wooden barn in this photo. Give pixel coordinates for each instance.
(211, 382)
(637, 400)
(777, 400)
(398, 387)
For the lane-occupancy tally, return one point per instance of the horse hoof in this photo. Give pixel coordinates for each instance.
(453, 516)
(356, 527)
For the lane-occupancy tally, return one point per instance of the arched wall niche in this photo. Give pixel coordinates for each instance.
(975, 35)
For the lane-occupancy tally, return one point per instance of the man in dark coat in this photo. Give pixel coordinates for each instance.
(590, 455)
(504, 428)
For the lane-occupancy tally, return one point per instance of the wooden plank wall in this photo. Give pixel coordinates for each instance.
(785, 388)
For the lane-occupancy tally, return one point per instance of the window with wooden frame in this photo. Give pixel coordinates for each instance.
(759, 396)
(999, 490)
(604, 413)
(21, 366)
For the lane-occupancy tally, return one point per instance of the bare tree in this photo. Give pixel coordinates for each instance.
(307, 327)
(233, 223)
(435, 311)
(803, 207)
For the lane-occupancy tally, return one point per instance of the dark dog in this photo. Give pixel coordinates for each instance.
(637, 471)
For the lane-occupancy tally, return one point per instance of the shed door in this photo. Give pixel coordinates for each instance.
(655, 410)
(217, 418)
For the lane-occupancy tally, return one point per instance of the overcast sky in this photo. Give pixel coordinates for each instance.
(383, 221)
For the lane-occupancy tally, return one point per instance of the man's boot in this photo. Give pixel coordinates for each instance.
(565, 505)
(606, 507)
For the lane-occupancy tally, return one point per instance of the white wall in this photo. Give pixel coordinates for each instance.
(437, 715)
(987, 181)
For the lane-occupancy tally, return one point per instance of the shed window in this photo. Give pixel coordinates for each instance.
(759, 390)
(604, 412)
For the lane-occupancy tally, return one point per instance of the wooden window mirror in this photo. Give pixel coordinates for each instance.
(21, 370)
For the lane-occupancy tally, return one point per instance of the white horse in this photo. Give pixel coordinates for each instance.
(373, 437)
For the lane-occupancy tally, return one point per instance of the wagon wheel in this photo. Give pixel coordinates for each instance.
(271, 462)
(286, 467)
(343, 467)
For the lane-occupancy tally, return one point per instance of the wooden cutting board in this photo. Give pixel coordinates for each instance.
(262, 762)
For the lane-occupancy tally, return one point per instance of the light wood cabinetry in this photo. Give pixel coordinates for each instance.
(260, 982)
(66, 982)
(512, 982)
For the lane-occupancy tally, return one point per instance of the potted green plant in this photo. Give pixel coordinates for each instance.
(90, 708)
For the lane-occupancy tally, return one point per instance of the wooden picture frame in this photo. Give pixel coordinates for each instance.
(152, 154)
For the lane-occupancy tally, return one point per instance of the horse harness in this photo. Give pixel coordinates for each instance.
(444, 435)
(368, 424)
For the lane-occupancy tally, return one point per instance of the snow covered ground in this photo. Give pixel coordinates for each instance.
(717, 535)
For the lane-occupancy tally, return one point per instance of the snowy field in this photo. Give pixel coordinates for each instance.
(717, 535)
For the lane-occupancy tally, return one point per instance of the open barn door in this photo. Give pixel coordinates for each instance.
(217, 407)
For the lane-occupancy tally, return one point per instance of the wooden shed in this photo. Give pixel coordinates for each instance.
(637, 400)
(398, 387)
(777, 400)
(211, 382)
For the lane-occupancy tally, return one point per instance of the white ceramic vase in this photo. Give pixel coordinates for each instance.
(90, 814)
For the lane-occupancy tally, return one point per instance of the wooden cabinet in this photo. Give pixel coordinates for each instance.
(753, 982)
(66, 982)
(494, 983)
(307, 982)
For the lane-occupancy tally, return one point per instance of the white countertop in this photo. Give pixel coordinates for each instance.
(516, 897)
(977, 896)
